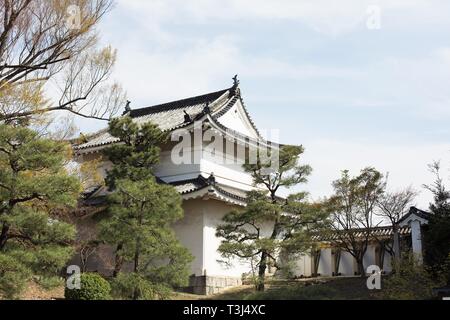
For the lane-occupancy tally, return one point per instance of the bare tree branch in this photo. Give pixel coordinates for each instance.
(38, 46)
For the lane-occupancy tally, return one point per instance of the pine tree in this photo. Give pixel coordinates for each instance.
(437, 235)
(33, 185)
(141, 213)
(291, 221)
(137, 153)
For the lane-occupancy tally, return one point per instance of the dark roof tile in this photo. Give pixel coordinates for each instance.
(178, 104)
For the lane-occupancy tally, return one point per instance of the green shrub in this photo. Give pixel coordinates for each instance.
(93, 287)
(49, 283)
(411, 281)
(296, 292)
(132, 286)
(13, 276)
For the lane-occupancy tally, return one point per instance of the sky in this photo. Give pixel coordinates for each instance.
(358, 83)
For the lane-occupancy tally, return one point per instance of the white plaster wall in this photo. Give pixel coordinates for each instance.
(369, 256)
(198, 161)
(189, 231)
(166, 169)
(231, 176)
(416, 238)
(325, 263)
(213, 212)
(307, 266)
(236, 119)
(302, 266)
(346, 264)
(225, 160)
(169, 170)
(387, 265)
(206, 158)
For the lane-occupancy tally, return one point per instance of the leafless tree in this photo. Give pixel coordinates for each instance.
(42, 50)
(87, 249)
(393, 206)
(352, 208)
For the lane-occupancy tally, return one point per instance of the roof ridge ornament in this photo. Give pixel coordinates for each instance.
(235, 88)
(211, 181)
(206, 109)
(187, 117)
(235, 81)
(127, 107)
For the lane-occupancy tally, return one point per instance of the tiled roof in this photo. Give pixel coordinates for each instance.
(100, 138)
(199, 183)
(420, 213)
(97, 194)
(188, 186)
(232, 192)
(179, 104)
(168, 116)
(177, 114)
(376, 232)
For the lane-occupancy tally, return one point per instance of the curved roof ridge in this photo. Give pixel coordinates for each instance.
(236, 93)
(248, 114)
(177, 104)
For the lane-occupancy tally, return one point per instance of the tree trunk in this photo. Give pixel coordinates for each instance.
(135, 270)
(262, 272)
(361, 270)
(137, 252)
(118, 260)
(360, 263)
(136, 257)
(4, 236)
(396, 247)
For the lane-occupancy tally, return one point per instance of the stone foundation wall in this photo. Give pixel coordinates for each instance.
(207, 285)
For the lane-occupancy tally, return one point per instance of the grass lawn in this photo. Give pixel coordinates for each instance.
(33, 291)
(351, 288)
(306, 289)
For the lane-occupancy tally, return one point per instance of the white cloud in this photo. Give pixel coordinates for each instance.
(406, 164)
(422, 81)
(152, 76)
(324, 16)
(158, 64)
